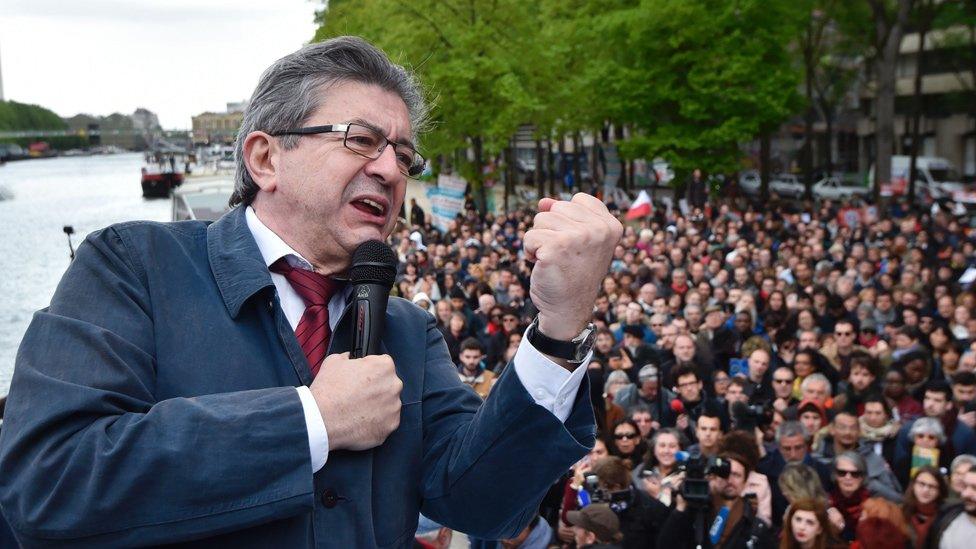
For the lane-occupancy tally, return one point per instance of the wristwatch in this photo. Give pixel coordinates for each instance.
(574, 350)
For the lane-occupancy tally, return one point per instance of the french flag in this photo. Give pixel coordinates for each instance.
(641, 207)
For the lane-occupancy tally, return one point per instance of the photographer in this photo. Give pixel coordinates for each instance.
(723, 517)
(640, 516)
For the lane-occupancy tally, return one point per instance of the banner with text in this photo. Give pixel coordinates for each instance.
(446, 200)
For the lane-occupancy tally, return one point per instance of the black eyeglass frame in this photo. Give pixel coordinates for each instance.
(415, 169)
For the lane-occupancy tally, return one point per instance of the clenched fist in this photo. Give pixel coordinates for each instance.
(572, 245)
(359, 400)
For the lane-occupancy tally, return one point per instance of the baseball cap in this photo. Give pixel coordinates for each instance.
(597, 518)
(649, 371)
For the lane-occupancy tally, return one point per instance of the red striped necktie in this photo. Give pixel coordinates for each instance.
(313, 331)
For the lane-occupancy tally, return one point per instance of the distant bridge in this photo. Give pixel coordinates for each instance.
(39, 134)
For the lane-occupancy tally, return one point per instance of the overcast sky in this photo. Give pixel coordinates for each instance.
(176, 58)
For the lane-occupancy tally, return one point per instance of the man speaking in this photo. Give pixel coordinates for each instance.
(191, 382)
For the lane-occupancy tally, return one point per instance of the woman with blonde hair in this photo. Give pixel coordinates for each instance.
(799, 481)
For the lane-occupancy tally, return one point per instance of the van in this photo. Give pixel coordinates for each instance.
(937, 179)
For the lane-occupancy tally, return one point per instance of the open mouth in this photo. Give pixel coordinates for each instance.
(370, 206)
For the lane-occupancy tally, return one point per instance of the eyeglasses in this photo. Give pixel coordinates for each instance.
(369, 143)
(625, 436)
(848, 473)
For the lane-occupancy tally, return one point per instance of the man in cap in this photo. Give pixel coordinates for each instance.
(647, 392)
(595, 527)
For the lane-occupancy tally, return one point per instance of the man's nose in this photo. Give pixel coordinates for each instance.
(384, 167)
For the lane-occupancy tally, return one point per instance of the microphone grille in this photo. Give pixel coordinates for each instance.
(375, 262)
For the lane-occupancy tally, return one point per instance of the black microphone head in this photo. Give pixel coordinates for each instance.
(373, 262)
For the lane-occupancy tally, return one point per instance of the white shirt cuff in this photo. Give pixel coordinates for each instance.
(318, 438)
(550, 385)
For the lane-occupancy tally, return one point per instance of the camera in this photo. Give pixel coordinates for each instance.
(747, 417)
(695, 488)
(617, 500)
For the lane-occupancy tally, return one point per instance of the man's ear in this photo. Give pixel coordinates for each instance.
(261, 152)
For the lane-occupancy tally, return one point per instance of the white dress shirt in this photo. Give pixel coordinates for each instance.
(550, 385)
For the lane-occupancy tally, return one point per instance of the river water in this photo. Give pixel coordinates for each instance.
(87, 193)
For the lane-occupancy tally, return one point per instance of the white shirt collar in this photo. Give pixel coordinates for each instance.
(272, 247)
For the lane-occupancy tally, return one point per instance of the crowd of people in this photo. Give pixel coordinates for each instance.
(762, 375)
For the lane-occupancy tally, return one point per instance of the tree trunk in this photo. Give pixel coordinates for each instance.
(594, 164)
(509, 174)
(478, 185)
(764, 160)
(828, 161)
(888, 38)
(808, 119)
(550, 169)
(577, 151)
(540, 184)
(618, 137)
(562, 162)
(926, 15)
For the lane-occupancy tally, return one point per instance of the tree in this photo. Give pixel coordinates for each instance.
(889, 18)
(925, 13)
(958, 21)
(713, 74)
(474, 55)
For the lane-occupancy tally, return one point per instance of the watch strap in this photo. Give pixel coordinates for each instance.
(552, 347)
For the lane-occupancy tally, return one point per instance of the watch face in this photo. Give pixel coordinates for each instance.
(586, 343)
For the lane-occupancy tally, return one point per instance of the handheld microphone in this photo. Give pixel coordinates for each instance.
(677, 406)
(371, 275)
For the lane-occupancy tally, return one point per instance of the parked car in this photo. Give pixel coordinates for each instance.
(786, 185)
(832, 188)
(749, 182)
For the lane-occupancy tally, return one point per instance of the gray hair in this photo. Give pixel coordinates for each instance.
(790, 429)
(614, 378)
(289, 92)
(816, 378)
(927, 426)
(963, 459)
(857, 459)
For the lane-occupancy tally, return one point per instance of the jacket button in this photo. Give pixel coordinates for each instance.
(330, 498)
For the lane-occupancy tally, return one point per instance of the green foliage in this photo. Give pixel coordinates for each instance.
(690, 80)
(21, 116)
(714, 74)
